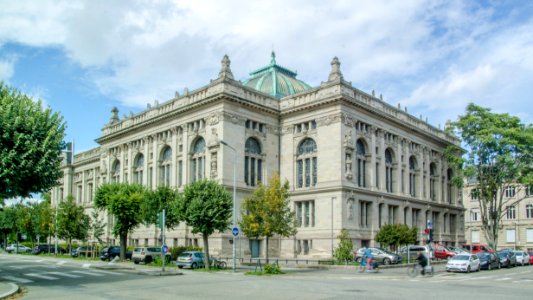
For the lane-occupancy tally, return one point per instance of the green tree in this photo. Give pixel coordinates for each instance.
(30, 145)
(344, 251)
(96, 229)
(155, 201)
(123, 201)
(395, 235)
(267, 212)
(46, 218)
(205, 206)
(72, 222)
(9, 224)
(499, 155)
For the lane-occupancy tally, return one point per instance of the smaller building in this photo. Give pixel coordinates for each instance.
(516, 229)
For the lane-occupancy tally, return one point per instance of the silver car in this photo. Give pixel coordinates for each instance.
(522, 258)
(380, 255)
(191, 259)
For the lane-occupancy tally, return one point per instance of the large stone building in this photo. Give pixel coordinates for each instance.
(516, 229)
(352, 160)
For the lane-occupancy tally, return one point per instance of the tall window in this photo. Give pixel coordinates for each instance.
(511, 213)
(164, 166)
(474, 215)
(115, 172)
(198, 160)
(361, 163)
(305, 213)
(388, 170)
(529, 191)
(510, 192)
(412, 176)
(306, 164)
(449, 186)
(365, 211)
(253, 163)
(529, 211)
(138, 168)
(433, 177)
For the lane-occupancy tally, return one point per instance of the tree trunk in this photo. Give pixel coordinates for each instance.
(266, 250)
(206, 250)
(123, 241)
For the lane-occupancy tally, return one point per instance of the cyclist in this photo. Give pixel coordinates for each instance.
(422, 261)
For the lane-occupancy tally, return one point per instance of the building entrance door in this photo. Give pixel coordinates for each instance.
(255, 246)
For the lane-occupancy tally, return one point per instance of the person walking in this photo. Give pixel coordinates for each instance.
(363, 263)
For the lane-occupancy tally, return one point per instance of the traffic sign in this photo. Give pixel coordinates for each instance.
(164, 248)
(429, 225)
(235, 231)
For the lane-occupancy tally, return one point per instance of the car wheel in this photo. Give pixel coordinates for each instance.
(193, 266)
(386, 261)
(468, 269)
(135, 262)
(147, 259)
(181, 267)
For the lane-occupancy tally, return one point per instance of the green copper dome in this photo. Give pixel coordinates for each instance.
(276, 80)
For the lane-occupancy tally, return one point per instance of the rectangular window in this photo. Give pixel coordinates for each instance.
(529, 235)
(200, 168)
(306, 213)
(300, 173)
(252, 171)
(529, 191)
(511, 235)
(150, 177)
(511, 213)
(299, 214)
(475, 236)
(246, 167)
(510, 192)
(314, 171)
(377, 174)
(259, 170)
(180, 173)
(194, 170)
(307, 172)
(474, 215)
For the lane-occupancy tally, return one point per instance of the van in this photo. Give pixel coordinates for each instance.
(475, 248)
(409, 253)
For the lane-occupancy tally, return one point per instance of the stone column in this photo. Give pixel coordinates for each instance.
(397, 186)
(371, 166)
(185, 155)
(146, 158)
(155, 164)
(130, 163)
(173, 168)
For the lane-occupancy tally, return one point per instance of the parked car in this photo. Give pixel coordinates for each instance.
(17, 248)
(463, 263)
(191, 259)
(507, 258)
(82, 251)
(475, 248)
(522, 258)
(442, 252)
(148, 254)
(458, 250)
(410, 252)
(489, 260)
(47, 248)
(110, 252)
(381, 256)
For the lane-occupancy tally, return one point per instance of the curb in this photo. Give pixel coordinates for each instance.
(14, 289)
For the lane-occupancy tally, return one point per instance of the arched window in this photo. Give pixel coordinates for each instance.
(449, 185)
(360, 152)
(433, 177)
(165, 164)
(306, 164)
(412, 176)
(115, 172)
(198, 160)
(388, 170)
(253, 163)
(138, 168)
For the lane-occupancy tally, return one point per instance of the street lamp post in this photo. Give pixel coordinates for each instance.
(234, 193)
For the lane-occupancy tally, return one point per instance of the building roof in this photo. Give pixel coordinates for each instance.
(275, 80)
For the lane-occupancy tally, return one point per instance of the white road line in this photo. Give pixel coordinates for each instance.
(503, 279)
(61, 262)
(86, 266)
(50, 266)
(17, 279)
(107, 272)
(41, 276)
(64, 274)
(88, 273)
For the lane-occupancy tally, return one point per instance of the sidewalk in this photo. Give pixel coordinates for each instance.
(8, 289)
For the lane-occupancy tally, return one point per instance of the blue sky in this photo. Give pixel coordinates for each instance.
(84, 57)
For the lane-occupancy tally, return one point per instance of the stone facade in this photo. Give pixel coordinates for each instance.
(352, 161)
(517, 223)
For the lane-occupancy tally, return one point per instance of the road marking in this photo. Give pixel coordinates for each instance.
(503, 279)
(41, 276)
(88, 273)
(50, 266)
(107, 272)
(86, 266)
(61, 262)
(17, 279)
(64, 274)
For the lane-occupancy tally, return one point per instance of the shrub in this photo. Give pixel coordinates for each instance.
(273, 269)
(176, 251)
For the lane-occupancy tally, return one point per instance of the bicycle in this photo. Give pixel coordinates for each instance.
(219, 264)
(416, 270)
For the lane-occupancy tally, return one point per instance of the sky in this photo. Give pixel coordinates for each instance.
(82, 58)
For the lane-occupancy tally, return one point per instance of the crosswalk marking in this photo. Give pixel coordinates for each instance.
(41, 276)
(88, 273)
(17, 279)
(64, 274)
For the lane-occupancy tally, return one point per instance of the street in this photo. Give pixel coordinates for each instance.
(49, 278)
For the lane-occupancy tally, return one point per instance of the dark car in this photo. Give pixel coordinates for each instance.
(47, 248)
(507, 258)
(110, 252)
(489, 260)
(82, 251)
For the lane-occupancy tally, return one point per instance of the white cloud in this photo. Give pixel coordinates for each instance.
(6, 70)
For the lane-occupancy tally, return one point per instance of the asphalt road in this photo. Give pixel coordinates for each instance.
(515, 283)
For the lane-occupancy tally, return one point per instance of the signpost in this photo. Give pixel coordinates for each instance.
(235, 231)
(164, 248)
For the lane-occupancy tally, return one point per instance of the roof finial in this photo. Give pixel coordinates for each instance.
(273, 58)
(225, 71)
(335, 73)
(114, 115)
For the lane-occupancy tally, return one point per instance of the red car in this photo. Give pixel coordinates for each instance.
(530, 258)
(442, 252)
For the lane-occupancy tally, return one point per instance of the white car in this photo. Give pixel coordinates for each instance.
(21, 249)
(522, 258)
(463, 263)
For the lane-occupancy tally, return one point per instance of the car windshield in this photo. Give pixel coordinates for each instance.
(502, 254)
(518, 253)
(460, 257)
(483, 254)
(186, 254)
